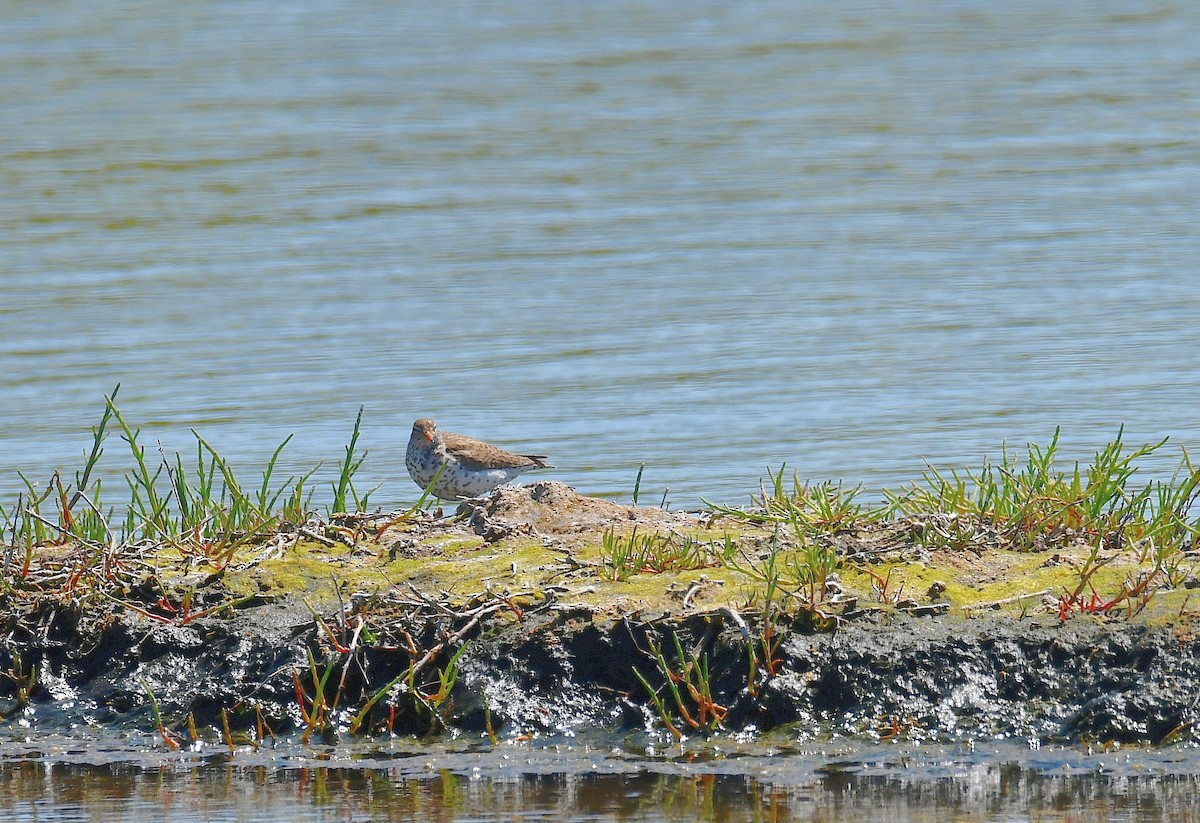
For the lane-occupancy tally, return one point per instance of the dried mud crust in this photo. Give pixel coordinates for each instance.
(544, 508)
(554, 508)
(540, 657)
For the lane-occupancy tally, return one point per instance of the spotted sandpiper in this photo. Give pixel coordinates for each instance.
(472, 466)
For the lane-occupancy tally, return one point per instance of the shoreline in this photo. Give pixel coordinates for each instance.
(535, 611)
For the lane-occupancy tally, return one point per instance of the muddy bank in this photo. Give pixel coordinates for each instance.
(567, 668)
(912, 677)
(513, 619)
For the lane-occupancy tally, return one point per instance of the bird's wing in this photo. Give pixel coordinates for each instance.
(475, 454)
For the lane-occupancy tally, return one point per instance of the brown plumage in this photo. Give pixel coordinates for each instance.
(472, 467)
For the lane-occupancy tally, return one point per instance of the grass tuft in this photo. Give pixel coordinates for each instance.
(623, 556)
(823, 508)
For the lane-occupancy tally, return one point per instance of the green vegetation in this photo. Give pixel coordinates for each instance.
(823, 508)
(627, 555)
(688, 683)
(197, 507)
(1035, 501)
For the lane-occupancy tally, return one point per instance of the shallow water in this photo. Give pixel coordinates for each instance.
(703, 237)
(601, 781)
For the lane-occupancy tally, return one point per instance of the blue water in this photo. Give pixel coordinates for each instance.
(709, 238)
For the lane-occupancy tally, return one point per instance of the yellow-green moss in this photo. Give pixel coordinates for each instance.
(463, 564)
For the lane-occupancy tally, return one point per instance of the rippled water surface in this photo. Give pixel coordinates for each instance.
(708, 237)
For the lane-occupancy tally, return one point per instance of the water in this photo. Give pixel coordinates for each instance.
(706, 237)
(703, 237)
(572, 780)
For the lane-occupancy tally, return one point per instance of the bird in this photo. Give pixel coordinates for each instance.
(472, 467)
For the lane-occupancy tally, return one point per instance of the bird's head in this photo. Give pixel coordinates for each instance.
(424, 427)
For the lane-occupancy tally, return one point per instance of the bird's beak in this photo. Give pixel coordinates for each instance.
(429, 436)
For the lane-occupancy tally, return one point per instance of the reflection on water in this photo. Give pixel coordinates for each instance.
(37, 790)
(337, 794)
(569, 782)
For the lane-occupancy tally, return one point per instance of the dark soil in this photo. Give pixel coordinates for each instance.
(558, 671)
(943, 677)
